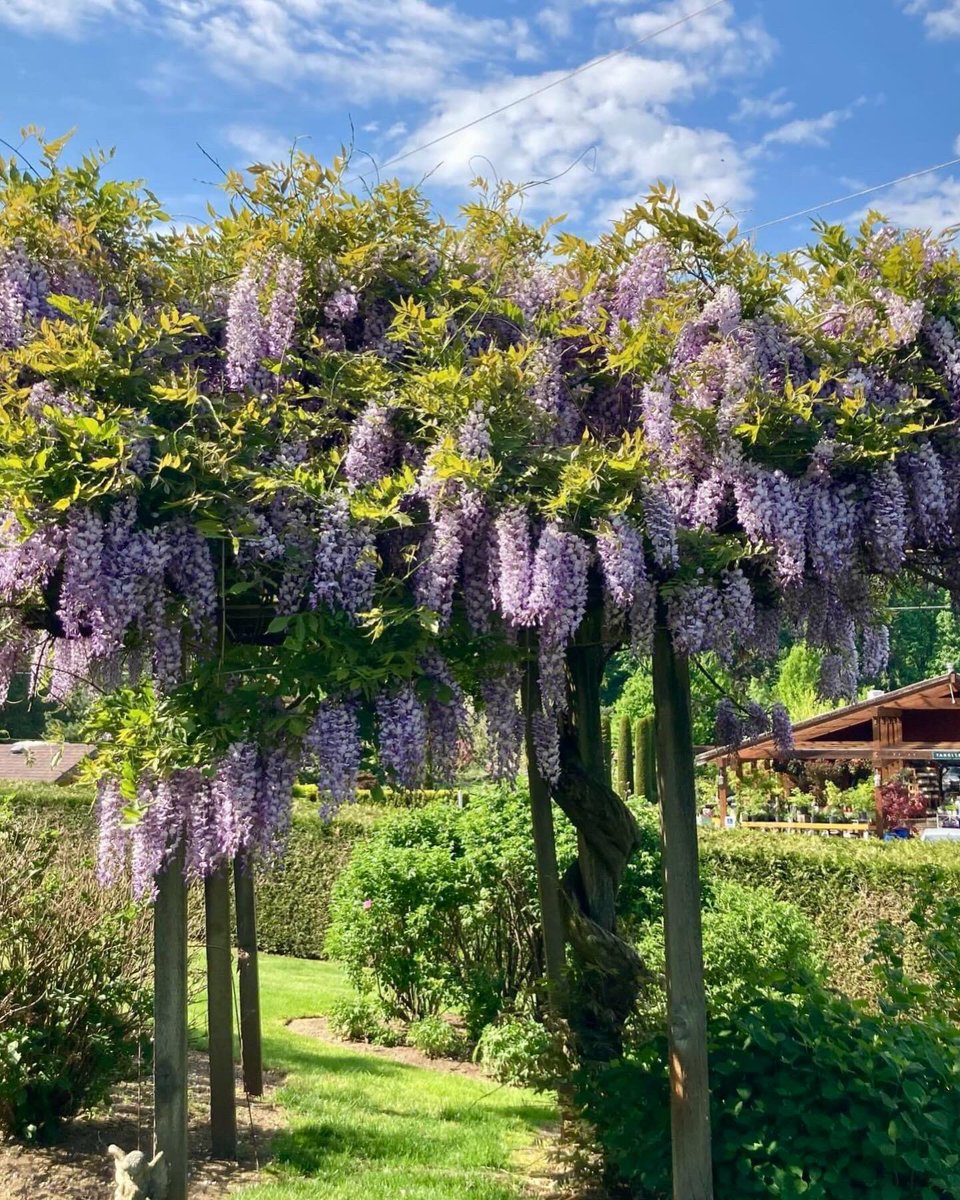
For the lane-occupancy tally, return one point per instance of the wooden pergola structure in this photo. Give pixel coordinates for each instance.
(917, 725)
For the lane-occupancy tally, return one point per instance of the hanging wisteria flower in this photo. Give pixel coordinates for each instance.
(372, 451)
(331, 750)
(620, 550)
(643, 279)
(661, 526)
(546, 740)
(727, 728)
(515, 562)
(402, 736)
(885, 514)
(695, 617)
(245, 328)
(550, 392)
(473, 440)
(282, 314)
(876, 651)
(345, 562)
(782, 729)
(342, 306)
(436, 576)
(504, 724)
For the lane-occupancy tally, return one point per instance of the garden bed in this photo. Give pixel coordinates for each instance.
(77, 1166)
(319, 1028)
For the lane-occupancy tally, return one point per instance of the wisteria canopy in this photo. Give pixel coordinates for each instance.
(310, 482)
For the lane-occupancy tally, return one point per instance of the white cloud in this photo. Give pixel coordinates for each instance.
(60, 16)
(256, 144)
(557, 22)
(733, 47)
(808, 131)
(616, 123)
(927, 203)
(941, 18)
(772, 107)
(620, 110)
(369, 48)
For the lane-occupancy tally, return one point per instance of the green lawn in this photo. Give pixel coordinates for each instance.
(365, 1128)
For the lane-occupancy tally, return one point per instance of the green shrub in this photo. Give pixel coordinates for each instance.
(358, 1020)
(436, 1038)
(753, 945)
(74, 961)
(819, 1099)
(519, 1050)
(437, 908)
(845, 886)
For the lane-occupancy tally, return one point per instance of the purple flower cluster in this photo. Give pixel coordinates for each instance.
(515, 561)
(342, 307)
(402, 736)
(345, 563)
(504, 724)
(661, 526)
(446, 714)
(551, 395)
(372, 451)
(727, 727)
(782, 730)
(436, 575)
(251, 336)
(620, 550)
(331, 751)
(642, 280)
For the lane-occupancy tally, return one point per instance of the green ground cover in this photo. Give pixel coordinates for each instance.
(366, 1128)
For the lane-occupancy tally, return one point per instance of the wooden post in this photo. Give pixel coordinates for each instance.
(544, 845)
(686, 1002)
(251, 1051)
(223, 1112)
(723, 793)
(170, 1026)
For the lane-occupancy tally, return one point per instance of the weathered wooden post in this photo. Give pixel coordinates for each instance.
(223, 1112)
(251, 1051)
(624, 757)
(686, 1001)
(544, 846)
(170, 1026)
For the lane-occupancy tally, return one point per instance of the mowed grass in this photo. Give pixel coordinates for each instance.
(366, 1128)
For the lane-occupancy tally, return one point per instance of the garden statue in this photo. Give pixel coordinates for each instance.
(135, 1176)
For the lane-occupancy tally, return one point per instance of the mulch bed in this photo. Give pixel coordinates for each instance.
(319, 1028)
(77, 1166)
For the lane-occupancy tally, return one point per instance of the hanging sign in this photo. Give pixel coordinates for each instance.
(949, 756)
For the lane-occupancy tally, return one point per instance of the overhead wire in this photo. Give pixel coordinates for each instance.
(588, 66)
(877, 187)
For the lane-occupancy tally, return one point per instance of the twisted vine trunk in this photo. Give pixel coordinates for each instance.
(607, 972)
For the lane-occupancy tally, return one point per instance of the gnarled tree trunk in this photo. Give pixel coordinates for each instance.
(607, 971)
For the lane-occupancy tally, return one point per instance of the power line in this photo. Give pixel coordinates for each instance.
(877, 187)
(596, 62)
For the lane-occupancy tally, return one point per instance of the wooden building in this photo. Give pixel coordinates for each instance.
(914, 727)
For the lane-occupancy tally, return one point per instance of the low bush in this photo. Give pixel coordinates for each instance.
(436, 1038)
(74, 1005)
(817, 1098)
(360, 1020)
(520, 1051)
(753, 945)
(437, 908)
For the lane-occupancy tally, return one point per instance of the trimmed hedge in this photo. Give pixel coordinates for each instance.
(844, 885)
(293, 900)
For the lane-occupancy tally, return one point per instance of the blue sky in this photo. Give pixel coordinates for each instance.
(764, 107)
